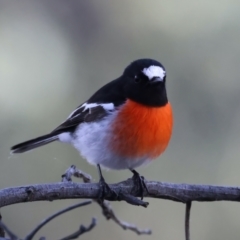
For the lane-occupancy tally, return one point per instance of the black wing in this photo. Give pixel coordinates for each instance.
(80, 115)
(111, 93)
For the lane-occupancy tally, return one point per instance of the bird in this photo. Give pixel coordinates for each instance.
(127, 123)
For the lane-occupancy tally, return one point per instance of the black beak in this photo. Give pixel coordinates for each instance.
(156, 79)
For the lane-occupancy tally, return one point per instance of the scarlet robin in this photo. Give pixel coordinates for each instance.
(125, 124)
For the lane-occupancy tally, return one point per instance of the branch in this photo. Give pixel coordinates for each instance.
(126, 190)
(187, 220)
(73, 171)
(107, 210)
(2, 232)
(75, 235)
(82, 230)
(8, 231)
(34, 231)
(109, 214)
(65, 190)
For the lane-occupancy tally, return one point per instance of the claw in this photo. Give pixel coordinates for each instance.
(104, 187)
(139, 181)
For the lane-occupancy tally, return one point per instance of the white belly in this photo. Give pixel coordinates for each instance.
(92, 141)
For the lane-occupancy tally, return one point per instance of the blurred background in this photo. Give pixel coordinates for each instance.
(54, 54)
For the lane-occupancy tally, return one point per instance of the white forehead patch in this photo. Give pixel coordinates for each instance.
(154, 71)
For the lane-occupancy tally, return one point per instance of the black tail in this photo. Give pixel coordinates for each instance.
(34, 143)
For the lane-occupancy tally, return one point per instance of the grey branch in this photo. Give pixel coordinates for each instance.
(105, 205)
(82, 229)
(187, 220)
(43, 223)
(71, 190)
(185, 193)
(2, 231)
(109, 214)
(73, 171)
(75, 235)
(8, 231)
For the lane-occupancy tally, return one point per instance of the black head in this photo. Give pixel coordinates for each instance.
(145, 82)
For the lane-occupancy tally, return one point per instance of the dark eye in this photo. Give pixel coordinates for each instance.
(137, 79)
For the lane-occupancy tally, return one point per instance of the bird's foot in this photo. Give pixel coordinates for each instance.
(105, 190)
(139, 182)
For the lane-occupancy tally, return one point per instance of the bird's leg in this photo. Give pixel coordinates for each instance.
(139, 181)
(104, 188)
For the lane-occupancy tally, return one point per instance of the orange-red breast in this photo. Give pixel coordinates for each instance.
(125, 124)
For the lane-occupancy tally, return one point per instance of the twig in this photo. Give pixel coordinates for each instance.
(187, 220)
(2, 233)
(32, 234)
(109, 214)
(105, 205)
(8, 231)
(73, 171)
(82, 230)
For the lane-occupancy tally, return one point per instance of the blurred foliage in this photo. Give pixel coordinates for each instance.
(54, 54)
